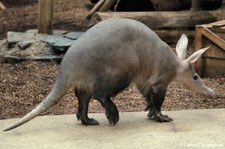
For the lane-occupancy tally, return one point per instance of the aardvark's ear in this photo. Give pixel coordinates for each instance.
(181, 47)
(194, 57)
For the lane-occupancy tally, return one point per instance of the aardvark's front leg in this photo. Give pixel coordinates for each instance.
(155, 98)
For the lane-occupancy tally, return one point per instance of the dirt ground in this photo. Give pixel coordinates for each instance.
(24, 85)
(21, 15)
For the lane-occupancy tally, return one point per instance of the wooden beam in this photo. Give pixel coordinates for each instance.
(198, 45)
(107, 5)
(95, 8)
(101, 6)
(214, 38)
(2, 6)
(160, 20)
(45, 16)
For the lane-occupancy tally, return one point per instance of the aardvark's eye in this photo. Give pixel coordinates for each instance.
(195, 77)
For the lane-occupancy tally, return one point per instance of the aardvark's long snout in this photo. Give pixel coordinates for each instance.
(208, 92)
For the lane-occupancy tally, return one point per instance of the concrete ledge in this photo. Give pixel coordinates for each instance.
(190, 129)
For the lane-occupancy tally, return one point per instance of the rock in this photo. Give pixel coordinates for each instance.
(34, 31)
(36, 49)
(47, 58)
(12, 59)
(25, 44)
(55, 32)
(58, 43)
(73, 35)
(14, 37)
(59, 32)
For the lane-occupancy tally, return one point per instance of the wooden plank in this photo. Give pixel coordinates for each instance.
(198, 37)
(215, 51)
(210, 25)
(213, 37)
(45, 16)
(214, 67)
(160, 20)
(198, 45)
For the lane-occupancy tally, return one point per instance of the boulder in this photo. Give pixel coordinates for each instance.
(57, 43)
(14, 37)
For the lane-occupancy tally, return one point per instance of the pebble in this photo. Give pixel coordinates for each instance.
(25, 44)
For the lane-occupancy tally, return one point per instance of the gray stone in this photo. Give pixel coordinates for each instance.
(12, 59)
(14, 37)
(58, 43)
(25, 44)
(34, 31)
(59, 32)
(73, 35)
(47, 58)
(55, 32)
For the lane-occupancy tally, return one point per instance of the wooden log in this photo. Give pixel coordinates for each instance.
(101, 6)
(95, 8)
(160, 20)
(45, 16)
(2, 6)
(172, 36)
(107, 5)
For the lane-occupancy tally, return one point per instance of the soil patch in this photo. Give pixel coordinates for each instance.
(24, 85)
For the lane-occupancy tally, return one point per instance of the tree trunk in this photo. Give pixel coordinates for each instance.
(45, 16)
(160, 20)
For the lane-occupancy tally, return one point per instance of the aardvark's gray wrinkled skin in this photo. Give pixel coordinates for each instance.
(110, 56)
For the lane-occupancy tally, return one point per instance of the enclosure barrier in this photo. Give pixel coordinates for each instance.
(212, 62)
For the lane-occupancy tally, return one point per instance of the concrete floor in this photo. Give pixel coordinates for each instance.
(190, 129)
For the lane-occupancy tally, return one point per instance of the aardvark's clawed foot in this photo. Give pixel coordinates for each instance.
(112, 115)
(87, 121)
(159, 117)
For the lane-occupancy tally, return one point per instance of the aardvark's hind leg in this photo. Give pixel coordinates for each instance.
(83, 102)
